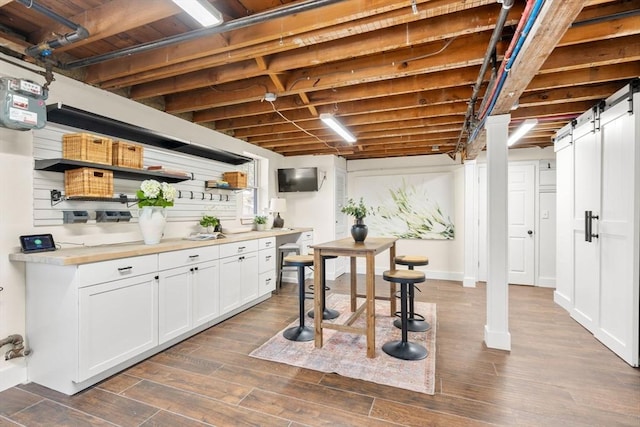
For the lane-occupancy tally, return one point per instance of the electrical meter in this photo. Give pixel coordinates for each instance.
(22, 104)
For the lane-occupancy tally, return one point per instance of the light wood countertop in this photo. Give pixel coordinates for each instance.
(89, 254)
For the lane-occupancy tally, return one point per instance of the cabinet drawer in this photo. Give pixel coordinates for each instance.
(106, 271)
(306, 235)
(267, 282)
(238, 248)
(267, 260)
(267, 243)
(188, 256)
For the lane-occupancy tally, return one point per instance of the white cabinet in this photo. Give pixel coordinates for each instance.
(117, 320)
(267, 266)
(83, 320)
(598, 273)
(305, 241)
(238, 274)
(188, 290)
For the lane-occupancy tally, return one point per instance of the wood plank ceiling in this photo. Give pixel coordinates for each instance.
(400, 74)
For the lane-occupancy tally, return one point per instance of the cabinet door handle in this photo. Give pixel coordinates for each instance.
(193, 256)
(125, 269)
(267, 258)
(268, 280)
(267, 244)
(241, 248)
(241, 258)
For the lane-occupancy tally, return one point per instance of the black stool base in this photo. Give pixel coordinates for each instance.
(299, 333)
(405, 350)
(413, 325)
(327, 314)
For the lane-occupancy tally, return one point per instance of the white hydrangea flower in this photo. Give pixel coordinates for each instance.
(169, 192)
(151, 188)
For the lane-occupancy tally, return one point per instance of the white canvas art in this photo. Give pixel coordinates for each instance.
(416, 206)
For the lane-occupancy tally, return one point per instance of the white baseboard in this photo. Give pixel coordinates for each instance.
(497, 340)
(562, 301)
(469, 282)
(547, 282)
(12, 374)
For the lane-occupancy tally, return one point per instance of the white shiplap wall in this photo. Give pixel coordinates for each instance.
(193, 202)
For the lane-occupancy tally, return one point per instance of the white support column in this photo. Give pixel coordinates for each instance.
(496, 330)
(470, 224)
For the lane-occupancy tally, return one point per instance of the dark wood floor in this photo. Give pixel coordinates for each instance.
(556, 374)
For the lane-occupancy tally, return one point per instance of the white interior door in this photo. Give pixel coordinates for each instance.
(521, 244)
(586, 268)
(617, 234)
(340, 218)
(521, 224)
(482, 223)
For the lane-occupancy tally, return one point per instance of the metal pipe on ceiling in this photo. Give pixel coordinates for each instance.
(224, 27)
(45, 48)
(493, 42)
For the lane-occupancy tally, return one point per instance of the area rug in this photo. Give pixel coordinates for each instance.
(345, 353)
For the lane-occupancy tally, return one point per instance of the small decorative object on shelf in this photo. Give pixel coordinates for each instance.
(359, 229)
(261, 222)
(153, 199)
(210, 223)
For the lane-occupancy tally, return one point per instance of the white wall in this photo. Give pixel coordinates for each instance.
(446, 257)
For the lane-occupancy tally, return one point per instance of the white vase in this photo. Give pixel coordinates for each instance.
(152, 220)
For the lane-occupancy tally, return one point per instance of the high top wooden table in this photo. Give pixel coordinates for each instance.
(347, 247)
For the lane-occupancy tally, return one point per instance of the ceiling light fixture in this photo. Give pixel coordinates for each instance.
(338, 127)
(525, 127)
(270, 96)
(202, 11)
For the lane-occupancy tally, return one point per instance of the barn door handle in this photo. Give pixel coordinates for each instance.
(588, 226)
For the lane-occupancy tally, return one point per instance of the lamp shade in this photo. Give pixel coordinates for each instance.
(278, 205)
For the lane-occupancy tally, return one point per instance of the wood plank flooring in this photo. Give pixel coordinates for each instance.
(556, 374)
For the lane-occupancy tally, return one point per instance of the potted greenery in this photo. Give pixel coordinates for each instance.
(211, 223)
(358, 210)
(260, 222)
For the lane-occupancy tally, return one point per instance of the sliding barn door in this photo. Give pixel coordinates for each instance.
(586, 268)
(618, 234)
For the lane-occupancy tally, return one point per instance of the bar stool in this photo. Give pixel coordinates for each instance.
(415, 321)
(404, 349)
(285, 249)
(300, 332)
(327, 313)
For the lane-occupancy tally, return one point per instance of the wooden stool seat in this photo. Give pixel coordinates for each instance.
(412, 260)
(403, 276)
(403, 349)
(416, 322)
(299, 260)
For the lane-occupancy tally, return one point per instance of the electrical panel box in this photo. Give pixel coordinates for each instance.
(22, 104)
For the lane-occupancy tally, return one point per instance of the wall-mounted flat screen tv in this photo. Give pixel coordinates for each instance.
(297, 179)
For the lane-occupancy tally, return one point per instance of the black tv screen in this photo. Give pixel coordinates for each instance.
(297, 179)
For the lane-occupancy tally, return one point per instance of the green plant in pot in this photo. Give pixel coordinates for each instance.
(359, 229)
(211, 223)
(260, 221)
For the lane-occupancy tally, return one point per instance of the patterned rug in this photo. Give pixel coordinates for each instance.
(345, 353)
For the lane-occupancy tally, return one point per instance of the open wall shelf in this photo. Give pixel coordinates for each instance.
(74, 117)
(61, 165)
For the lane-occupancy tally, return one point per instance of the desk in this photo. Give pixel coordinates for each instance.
(347, 247)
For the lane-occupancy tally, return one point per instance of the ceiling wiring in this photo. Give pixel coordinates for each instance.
(301, 129)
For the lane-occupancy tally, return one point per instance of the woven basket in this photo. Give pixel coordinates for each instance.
(88, 182)
(236, 179)
(127, 155)
(87, 147)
